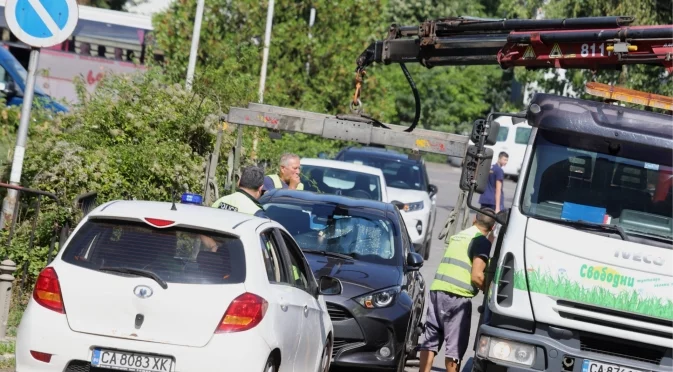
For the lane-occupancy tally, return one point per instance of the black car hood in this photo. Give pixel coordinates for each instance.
(357, 277)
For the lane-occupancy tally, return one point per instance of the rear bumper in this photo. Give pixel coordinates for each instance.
(46, 331)
(565, 350)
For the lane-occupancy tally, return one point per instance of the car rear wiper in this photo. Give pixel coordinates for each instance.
(589, 225)
(139, 272)
(331, 254)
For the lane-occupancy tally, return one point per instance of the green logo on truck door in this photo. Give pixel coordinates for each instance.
(601, 286)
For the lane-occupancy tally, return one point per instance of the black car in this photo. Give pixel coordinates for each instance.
(407, 182)
(364, 243)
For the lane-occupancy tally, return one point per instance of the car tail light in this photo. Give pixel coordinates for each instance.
(48, 291)
(42, 357)
(244, 312)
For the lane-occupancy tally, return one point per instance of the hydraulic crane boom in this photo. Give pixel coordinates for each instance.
(572, 43)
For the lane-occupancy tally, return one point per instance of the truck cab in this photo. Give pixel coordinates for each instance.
(13, 83)
(581, 270)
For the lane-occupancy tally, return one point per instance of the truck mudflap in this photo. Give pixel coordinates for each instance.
(555, 349)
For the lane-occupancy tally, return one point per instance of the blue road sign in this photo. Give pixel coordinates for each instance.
(42, 23)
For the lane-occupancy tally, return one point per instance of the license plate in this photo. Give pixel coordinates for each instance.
(594, 366)
(127, 361)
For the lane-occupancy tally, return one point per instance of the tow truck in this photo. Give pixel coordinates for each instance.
(580, 277)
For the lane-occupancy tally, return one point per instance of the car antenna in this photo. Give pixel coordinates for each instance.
(174, 207)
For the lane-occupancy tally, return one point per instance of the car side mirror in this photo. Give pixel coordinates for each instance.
(432, 189)
(8, 88)
(414, 261)
(478, 128)
(476, 169)
(329, 286)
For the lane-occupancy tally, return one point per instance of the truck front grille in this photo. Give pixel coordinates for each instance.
(631, 350)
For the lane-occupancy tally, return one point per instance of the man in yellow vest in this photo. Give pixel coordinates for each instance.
(249, 189)
(244, 200)
(459, 277)
(288, 175)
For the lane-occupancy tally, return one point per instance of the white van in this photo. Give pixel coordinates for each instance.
(512, 139)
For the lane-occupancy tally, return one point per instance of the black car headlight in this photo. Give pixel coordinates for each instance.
(379, 299)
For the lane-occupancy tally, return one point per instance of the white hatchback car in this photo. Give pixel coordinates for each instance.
(140, 286)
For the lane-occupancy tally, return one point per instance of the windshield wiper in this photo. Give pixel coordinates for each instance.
(139, 272)
(589, 225)
(331, 254)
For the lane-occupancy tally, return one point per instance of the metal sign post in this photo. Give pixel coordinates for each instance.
(39, 24)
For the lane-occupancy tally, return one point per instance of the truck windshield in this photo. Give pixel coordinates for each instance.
(575, 178)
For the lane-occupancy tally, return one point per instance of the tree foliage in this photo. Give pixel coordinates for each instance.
(144, 136)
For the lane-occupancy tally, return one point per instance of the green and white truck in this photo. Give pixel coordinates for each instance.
(582, 266)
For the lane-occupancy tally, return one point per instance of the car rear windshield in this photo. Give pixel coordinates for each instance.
(401, 174)
(346, 182)
(174, 254)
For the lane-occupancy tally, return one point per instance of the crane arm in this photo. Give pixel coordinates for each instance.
(571, 43)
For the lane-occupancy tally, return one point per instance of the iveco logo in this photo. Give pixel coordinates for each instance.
(639, 257)
(143, 291)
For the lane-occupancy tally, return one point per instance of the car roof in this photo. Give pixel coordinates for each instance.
(380, 152)
(328, 198)
(338, 164)
(186, 214)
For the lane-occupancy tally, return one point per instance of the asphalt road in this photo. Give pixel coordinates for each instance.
(446, 178)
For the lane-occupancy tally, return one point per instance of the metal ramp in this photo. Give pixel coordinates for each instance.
(360, 129)
(354, 128)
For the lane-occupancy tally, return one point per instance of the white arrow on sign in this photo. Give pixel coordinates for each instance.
(42, 23)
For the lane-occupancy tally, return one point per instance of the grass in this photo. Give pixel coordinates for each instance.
(625, 300)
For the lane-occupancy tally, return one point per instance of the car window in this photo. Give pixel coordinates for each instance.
(522, 135)
(362, 233)
(399, 173)
(272, 258)
(298, 273)
(502, 134)
(406, 240)
(345, 182)
(175, 254)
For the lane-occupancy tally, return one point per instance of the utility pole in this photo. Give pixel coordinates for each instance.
(196, 34)
(265, 55)
(311, 21)
(265, 62)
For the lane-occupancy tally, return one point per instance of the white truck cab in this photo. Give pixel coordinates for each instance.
(582, 268)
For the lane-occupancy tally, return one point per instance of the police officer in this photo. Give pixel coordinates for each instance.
(288, 174)
(459, 277)
(244, 200)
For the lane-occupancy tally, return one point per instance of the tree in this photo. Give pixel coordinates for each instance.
(451, 97)
(340, 34)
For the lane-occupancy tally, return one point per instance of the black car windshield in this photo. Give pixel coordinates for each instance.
(356, 232)
(174, 254)
(399, 173)
(345, 182)
(576, 178)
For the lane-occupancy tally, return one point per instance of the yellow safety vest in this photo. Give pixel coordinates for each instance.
(238, 202)
(277, 183)
(454, 274)
(295, 269)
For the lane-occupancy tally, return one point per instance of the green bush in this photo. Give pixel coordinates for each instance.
(138, 136)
